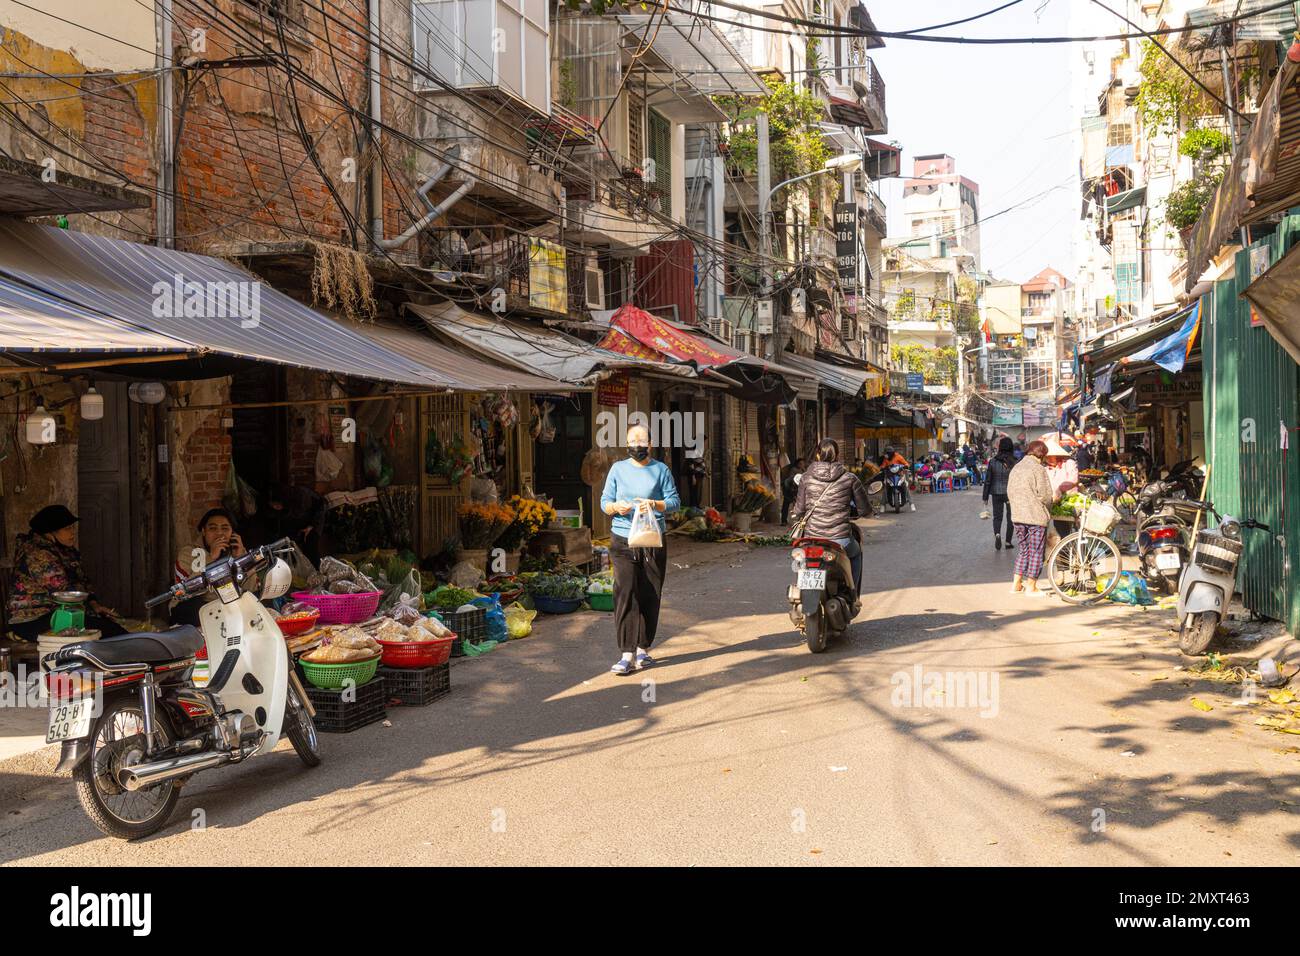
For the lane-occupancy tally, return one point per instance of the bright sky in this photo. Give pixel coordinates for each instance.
(1003, 112)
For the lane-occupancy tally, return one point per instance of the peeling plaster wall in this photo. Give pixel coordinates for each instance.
(102, 34)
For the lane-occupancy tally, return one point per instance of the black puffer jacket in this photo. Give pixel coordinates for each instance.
(826, 490)
(998, 475)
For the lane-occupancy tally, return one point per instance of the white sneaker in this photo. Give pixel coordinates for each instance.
(914, 506)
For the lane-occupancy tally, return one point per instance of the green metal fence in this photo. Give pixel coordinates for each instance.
(1250, 394)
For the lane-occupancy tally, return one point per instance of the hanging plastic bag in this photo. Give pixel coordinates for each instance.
(328, 465)
(546, 433)
(519, 621)
(239, 499)
(644, 532)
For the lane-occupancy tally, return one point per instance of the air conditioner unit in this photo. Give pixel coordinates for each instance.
(861, 182)
(848, 328)
(594, 284)
(721, 328)
(743, 341)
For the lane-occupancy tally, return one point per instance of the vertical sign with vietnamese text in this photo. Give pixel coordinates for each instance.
(846, 244)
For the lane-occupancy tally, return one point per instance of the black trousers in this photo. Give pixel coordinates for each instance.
(1001, 506)
(638, 584)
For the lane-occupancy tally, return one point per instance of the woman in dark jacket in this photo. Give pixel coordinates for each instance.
(825, 493)
(995, 487)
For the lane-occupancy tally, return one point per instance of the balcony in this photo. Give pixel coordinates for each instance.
(876, 217)
(518, 272)
(857, 97)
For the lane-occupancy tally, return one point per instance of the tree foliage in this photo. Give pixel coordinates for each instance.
(1167, 95)
(937, 365)
(794, 136)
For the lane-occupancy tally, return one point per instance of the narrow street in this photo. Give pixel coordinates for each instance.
(746, 749)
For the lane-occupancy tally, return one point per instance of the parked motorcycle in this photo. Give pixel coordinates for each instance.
(823, 599)
(1161, 537)
(1209, 580)
(135, 728)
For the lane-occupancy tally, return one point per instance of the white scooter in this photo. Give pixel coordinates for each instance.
(134, 726)
(1209, 580)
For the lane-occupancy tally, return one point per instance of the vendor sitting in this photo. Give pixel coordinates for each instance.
(47, 561)
(218, 538)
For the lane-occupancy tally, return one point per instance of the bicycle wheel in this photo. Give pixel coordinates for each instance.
(1126, 504)
(1084, 567)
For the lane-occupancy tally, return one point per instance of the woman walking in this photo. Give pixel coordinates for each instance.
(995, 489)
(638, 572)
(1030, 494)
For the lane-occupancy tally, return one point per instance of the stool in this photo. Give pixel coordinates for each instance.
(960, 484)
(942, 485)
(924, 486)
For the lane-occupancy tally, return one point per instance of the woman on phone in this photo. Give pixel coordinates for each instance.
(218, 538)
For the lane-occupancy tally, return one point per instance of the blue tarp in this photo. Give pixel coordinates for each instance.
(1170, 353)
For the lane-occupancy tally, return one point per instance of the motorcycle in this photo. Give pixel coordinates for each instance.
(896, 487)
(135, 728)
(1161, 537)
(1209, 580)
(823, 600)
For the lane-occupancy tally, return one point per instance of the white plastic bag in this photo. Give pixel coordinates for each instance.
(644, 532)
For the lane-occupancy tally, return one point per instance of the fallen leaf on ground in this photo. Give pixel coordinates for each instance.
(1160, 677)
(1283, 696)
(1201, 705)
(814, 851)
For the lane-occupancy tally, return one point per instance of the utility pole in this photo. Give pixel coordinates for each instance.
(764, 214)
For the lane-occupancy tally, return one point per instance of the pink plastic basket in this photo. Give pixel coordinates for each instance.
(342, 608)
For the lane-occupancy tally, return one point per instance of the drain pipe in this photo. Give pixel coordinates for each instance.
(164, 211)
(376, 118)
(434, 211)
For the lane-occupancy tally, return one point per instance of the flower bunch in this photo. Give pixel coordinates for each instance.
(530, 517)
(481, 523)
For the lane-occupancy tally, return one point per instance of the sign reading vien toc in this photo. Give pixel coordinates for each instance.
(846, 241)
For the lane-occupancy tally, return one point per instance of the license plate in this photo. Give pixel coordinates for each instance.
(812, 580)
(71, 720)
(1168, 562)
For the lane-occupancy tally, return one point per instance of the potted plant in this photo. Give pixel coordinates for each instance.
(481, 523)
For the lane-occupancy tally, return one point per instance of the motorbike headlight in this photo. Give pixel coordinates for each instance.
(1231, 528)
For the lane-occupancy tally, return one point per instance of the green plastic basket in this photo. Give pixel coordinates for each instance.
(334, 676)
(600, 602)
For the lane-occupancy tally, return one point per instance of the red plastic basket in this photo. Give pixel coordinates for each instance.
(417, 653)
(342, 608)
(298, 626)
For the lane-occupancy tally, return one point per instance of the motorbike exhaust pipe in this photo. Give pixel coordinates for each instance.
(145, 775)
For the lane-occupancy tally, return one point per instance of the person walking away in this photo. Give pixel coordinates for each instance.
(995, 490)
(825, 493)
(972, 463)
(789, 487)
(1029, 491)
(638, 572)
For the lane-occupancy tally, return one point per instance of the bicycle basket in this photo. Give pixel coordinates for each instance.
(1217, 553)
(1101, 518)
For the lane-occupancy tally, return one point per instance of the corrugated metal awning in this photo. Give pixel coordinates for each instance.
(698, 54)
(1270, 25)
(137, 284)
(1274, 295)
(531, 347)
(34, 321)
(1129, 199)
(849, 381)
(457, 370)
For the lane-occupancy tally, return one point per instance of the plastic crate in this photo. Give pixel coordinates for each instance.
(334, 715)
(468, 626)
(416, 686)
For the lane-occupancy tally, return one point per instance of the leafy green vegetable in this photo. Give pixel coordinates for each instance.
(562, 587)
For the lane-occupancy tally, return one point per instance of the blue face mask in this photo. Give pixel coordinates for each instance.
(639, 452)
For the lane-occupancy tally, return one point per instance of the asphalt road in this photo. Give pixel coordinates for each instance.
(1077, 744)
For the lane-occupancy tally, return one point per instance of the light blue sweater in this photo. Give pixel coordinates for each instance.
(627, 481)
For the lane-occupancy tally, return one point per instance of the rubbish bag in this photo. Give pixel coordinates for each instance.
(471, 649)
(1131, 589)
(495, 616)
(644, 532)
(519, 620)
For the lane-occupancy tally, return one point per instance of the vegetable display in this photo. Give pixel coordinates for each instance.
(562, 587)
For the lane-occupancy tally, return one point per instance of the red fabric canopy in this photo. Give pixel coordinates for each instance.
(661, 337)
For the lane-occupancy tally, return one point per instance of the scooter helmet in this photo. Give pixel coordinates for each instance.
(278, 580)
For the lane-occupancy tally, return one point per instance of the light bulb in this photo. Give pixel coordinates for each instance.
(92, 405)
(41, 427)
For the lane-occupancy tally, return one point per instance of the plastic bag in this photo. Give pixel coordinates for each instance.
(466, 575)
(404, 593)
(644, 532)
(328, 465)
(476, 650)
(519, 620)
(495, 616)
(239, 499)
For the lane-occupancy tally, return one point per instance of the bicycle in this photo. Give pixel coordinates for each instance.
(1085, 566)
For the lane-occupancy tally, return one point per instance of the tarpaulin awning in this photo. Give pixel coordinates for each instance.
(1129, 199)
(171, 295)
(1114, 351)
(1264, 176)
(457, 370)
(532, 347)
(1171, 352)
(1274, 295)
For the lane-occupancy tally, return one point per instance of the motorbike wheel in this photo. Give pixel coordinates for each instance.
(1195, 637)
(815, 631)
(117, 740)
(301, 729)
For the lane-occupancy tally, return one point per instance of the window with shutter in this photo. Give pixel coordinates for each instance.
(636, 129)
(659, 135)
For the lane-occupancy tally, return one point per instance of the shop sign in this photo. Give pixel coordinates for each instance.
(1181, 389)
(915, 381)
(1007, 415)
(846, 240)
(613, 391)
